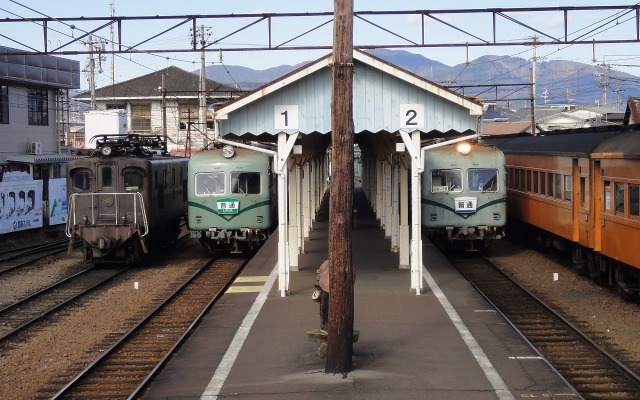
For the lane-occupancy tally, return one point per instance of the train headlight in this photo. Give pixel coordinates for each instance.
(228, 151)
(464, 148)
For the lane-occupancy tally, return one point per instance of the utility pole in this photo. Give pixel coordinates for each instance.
(202, 114)
(603, 81)
(92, 73)
(341, 302)
(94, 46)
(533, 87)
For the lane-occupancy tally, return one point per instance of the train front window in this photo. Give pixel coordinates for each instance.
(133, 181)
(80, 180)
(245, 182)
(209, 183)
(483, 180)
(446, 180)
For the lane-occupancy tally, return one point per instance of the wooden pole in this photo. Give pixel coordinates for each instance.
(341, 305)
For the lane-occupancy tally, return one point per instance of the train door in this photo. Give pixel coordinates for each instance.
(597, 204)
(107, 184)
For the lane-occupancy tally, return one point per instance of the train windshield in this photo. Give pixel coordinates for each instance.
(133, 181)
(446, 180)
(245, 182)
(209, 183)
(483, 180)
(80, 180)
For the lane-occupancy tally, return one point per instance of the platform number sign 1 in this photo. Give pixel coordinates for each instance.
(286, 117)
(412, 116)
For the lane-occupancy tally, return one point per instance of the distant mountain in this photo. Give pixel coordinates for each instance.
(556, 81)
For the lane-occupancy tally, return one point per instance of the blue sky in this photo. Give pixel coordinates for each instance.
(622, 57)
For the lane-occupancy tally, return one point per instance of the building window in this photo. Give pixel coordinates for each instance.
(116, 106)
(188, 114)
(38, 107)
(140, 117)
(4, 104)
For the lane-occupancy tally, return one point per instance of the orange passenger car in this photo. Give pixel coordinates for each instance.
(579, 190)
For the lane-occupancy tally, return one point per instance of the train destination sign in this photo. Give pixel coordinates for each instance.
(227, 206)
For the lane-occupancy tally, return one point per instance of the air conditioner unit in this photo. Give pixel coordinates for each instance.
(35, 148)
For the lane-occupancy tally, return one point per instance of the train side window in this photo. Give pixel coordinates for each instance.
(583, 188)
(80, 180)
(634, 200)
(133, 181)
(106, 176)
(607, 196)
(558, 186)
(483, 180)
(568, 188)
(535, 182)
(245, 182)
(550, 184)
(446, 180)
(528, 180)
(209, 183)
(543, 181)
(619, 197)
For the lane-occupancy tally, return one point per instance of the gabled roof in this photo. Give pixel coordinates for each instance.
(386, 98)
(177, 82)
(505, 128)
(475, 108)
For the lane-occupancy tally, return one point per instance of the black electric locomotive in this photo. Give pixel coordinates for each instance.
(129, 196)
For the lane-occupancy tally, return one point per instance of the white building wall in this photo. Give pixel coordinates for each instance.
(17, 134)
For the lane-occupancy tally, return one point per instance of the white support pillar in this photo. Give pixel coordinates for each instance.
(378, 203)
(416, 209)
(292, 226)
(306, 203)
(395, 209)
(285, 144)
(404, 217)
(388, 200)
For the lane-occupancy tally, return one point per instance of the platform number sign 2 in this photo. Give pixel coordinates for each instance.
(286, 117)
(412, 116)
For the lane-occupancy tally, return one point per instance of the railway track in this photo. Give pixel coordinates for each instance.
(25, 312)
(590, 369)
(16, 258)
(124, 370)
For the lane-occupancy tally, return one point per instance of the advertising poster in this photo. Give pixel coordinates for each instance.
(57, 201)
(20, 202)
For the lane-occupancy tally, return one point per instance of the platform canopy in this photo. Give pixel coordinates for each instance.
(385, 99)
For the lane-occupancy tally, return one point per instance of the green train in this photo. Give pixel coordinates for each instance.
(464, 195)
(232, 204)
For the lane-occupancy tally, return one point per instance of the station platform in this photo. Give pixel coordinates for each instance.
(447, 343)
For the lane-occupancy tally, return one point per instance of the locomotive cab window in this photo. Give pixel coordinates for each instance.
(209, 183)
(484, 180)
(133, 181)
(245, 182)
(80, 180)
(446, 180)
